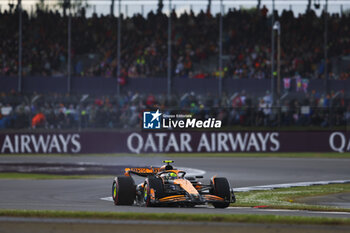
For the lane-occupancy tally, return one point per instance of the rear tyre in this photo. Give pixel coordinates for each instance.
(123, 190)
(157, 185)
(221, 188)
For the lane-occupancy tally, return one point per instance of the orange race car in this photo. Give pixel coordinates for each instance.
(167, 186)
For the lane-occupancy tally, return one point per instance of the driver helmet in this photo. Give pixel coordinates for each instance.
(172, 176)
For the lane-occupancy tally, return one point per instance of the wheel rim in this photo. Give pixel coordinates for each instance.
(114, 190)
(145, 193)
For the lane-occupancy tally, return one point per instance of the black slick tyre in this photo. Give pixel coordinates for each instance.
(123, 190)
(221, 188)
(157, 185)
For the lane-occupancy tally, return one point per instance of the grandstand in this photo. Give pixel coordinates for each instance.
(201, 115)
(95, 70)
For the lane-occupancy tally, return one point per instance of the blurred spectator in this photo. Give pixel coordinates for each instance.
(246, 44)
(125, 112)
(38, 121)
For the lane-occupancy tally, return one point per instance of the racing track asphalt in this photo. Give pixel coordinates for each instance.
(85, 194)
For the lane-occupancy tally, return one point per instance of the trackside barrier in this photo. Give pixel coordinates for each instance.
(174, 142)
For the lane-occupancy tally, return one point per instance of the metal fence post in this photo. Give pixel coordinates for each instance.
(272, 54)
(327, 87)
(118, 46)
(220, 51)
(112, 8)
(69, 65)
(20, 47)
(169, 52)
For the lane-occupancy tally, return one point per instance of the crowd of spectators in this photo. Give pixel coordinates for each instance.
(246, 44)
(57, 111)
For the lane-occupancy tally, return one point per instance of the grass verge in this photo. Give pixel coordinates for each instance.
(287, 198)
(282, 155)
(36, 176)
(243, 218)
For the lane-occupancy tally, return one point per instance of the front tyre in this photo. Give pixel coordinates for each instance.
(153, 186)
(123, 190)
(221, 188)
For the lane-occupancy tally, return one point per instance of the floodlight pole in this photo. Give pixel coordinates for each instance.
(308, 5)
(272, 55)
(220, 50)
(69, 63)
(326, 47)
(112, 8)
(326, 63)
(341, 10)
(118, 46)
(20, 47)
(169, 53)
(279, 66)
(277, 27)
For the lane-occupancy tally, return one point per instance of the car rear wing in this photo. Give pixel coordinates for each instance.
(142, 171)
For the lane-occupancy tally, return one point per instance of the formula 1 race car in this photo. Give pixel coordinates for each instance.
(167, 186)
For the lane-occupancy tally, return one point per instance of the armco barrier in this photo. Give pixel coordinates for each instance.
(174, 142)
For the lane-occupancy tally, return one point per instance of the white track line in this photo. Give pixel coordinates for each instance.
(289, 185)
(309, 211)
(288, 210)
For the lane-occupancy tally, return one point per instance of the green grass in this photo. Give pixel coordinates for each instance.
(177, 217)
(287, 198)
(278, 198)
(36, 176)
(282, 155)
